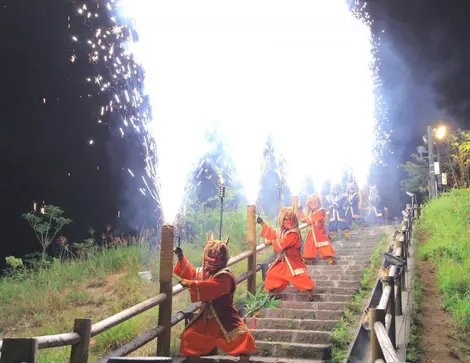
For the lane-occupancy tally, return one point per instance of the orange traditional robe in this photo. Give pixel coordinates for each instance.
(289, 266)
(218, 323)
(317, 238)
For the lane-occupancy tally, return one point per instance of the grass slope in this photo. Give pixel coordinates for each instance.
(443, 232)
(46, 302)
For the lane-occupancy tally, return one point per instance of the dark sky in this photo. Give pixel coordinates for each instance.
(424, 73)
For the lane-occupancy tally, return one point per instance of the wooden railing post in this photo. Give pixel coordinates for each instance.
(79, 353)
(19, 350)
(166, 287)
(376, 351)
(251, 239)
(295, 203)
(391, 310)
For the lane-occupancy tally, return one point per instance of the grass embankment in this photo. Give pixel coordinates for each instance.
(347, 325)
(443, 234)
(34, 303)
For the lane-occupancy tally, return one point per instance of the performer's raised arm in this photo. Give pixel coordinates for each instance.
(184, 269)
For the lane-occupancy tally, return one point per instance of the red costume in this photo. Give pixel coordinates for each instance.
(317, 238)
(218, 323)
(289, 266)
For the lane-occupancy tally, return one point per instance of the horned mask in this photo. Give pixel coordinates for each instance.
(216, 254)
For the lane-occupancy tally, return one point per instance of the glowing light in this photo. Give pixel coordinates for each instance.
(441, 132)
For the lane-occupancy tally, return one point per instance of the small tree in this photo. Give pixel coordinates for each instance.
(47, 225)
(455, 157)
(418, 173)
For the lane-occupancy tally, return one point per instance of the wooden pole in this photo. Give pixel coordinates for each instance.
(251, 238)
(19, 350)
(376, 315)
(166, 287)
(295, 203)
(79, 353)
(391, 310)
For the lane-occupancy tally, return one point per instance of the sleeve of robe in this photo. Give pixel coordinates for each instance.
(185, 270)
(291, 239)
(301, 217)
(211, 289)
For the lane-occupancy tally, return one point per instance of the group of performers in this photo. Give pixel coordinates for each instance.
(343, 209)
(218, 323)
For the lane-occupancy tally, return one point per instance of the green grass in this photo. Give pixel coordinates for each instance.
(414, 348)
(443, 232)
(343, 334)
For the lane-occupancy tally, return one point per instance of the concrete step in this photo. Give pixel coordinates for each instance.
(339, 262)
(358, 258)
(318, 297)
(301, 314)
(255, 359)
(313, 305)
(293, 350)
(292, 336)
(355, 244)
(343, 276)
(332, 283)
(334, 269)
(352, 252)
(297, 324)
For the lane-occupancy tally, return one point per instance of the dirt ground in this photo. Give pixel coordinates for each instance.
(437, 332)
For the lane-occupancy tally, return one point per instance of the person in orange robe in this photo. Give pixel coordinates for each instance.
(218, 323)
(317, 239)
(288, 267)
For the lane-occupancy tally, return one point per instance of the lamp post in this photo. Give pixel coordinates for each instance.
(432, 176)
(222, 196)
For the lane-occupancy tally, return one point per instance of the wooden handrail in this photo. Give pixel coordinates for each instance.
(66, 339)
(386, 345)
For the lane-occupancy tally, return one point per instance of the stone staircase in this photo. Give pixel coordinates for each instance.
(300, 330)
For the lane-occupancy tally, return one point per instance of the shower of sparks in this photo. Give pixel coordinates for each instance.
(293, 72)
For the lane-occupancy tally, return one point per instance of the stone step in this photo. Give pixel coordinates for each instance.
(292, 336)
(352, 252)
(313, 305)
(325, 290)
(338, 262)
(357, 258)
(334, 269)
(343, 276)
(301, 314)
(293, 350)
(332, 283)
(255, 359)
(318, 297)
(297, 324)
(355, 244)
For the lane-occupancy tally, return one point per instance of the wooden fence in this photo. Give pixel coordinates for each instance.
(25, 349)
(387, 299)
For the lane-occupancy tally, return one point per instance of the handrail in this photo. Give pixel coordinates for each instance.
(387, 299)
(75, 338)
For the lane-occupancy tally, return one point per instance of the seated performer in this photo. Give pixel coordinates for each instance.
(317, 239)
(352, 213)
(374, 215)
(288, 265)
(218, 323)
(336, 203)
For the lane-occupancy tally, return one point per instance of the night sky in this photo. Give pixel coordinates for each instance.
(423, 70)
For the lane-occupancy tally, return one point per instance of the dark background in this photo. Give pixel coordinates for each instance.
(423, 70)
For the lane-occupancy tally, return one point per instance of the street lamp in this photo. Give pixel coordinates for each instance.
(440, 132)
(433, 134)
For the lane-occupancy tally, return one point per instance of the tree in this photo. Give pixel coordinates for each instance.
(47, 225)
(455, 159)
(418, 174)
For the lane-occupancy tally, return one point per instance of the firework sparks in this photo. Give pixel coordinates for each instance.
(314, 69)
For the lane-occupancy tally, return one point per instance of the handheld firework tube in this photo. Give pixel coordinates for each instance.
(288, 267)
(317, 239)
(218, 323)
